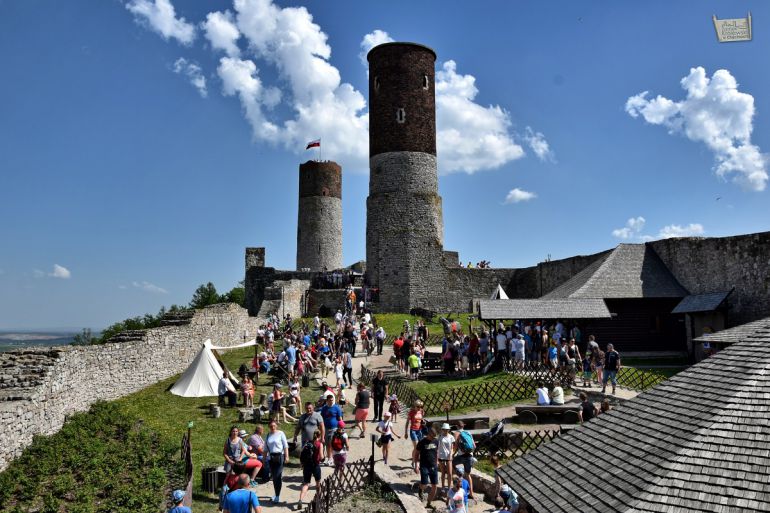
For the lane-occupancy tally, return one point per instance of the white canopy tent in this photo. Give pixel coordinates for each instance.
(201, 379)
(499, 293)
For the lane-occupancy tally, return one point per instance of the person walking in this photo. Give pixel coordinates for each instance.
(340, 448)
(278, 448)
(413, 426)
(385, 428)
(242, 500)
(308, 423)
(379, 393)
(611, 368)
(347, 371)
(446, 448)
(310, 459)
(332, 415)
(361, 404)
(425, 462)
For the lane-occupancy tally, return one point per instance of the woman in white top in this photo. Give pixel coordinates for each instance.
(338, 370)
(557, 395)
(385, 428)
(446, 448)
(278, 448)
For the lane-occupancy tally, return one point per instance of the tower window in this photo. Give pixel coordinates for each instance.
(425, 81)
(400, 115)
(376, 83)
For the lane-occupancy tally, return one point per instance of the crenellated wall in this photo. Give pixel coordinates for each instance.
(50, 384)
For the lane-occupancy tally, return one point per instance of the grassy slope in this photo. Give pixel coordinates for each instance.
(168, 415)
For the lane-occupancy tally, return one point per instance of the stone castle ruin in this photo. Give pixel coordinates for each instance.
(708, 281)
(406, 262)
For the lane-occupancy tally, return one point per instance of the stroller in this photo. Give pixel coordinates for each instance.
(492, 441)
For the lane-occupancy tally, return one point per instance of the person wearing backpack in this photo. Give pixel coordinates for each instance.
(611, 368)
(310, 459)
(464, 451)
(340, 447)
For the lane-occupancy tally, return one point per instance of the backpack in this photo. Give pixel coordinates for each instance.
(337, 442)
(465, 441)
(307, 454)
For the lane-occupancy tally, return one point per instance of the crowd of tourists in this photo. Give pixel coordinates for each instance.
(443, 458)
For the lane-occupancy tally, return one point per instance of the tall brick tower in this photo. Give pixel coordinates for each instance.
(319, 220)
(404, 222)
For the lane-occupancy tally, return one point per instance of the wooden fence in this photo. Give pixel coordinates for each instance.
(336, 487)
(188, 467)
(638, 379)
(511, 445)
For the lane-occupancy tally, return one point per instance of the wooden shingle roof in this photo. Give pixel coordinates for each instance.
(543, 309)
(701, 302)
(738, 333)
(628, 271)
(699, 441)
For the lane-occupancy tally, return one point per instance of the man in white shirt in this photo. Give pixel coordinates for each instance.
(227, 390)
(502, 349)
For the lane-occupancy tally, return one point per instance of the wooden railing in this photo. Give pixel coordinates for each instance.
(356, 476)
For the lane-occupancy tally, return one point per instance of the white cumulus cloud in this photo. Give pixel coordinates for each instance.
(149, 287)
(222, 33)
(60, 272)
(537, 143)
(675, 230)
(370, 40)
(160, 16)
(715, 113)
(632, 228)
(470, 137)
(194, 74)
(518, 195)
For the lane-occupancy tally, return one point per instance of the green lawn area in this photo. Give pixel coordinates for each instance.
(168, 415)
(442, 383)
(394, 322)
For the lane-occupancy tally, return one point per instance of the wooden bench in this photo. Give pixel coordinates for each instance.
(471, 420)
(528, 413)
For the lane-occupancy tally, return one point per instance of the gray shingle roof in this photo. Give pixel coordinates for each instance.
(738, 333)
(701, 302)
(628, 271)
(543, 309)
(699, 441)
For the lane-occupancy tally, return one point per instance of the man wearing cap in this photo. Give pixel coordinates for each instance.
(446, 447)
(425, 460)
(242, 500)
(178, 497)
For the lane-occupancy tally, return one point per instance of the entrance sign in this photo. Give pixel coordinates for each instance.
(738, 29)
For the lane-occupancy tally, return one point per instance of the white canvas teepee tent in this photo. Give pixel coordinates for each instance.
(201, 379)
(499, 293)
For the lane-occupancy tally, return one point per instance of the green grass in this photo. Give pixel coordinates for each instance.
(394, 322)
(443, 383)
(168, 414)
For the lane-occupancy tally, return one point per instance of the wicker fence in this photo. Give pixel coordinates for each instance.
(399, 386)
(188, 467)
(512, 445)
(336, 487)
(638, 379)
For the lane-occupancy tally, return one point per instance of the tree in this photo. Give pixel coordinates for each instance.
(236, 295)
(84, 339)
(205, 295)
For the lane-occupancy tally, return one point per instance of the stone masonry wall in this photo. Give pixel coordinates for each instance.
(720, 263)
(77, 376)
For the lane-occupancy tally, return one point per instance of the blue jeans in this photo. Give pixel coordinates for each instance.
(415, 435)
(610, 375)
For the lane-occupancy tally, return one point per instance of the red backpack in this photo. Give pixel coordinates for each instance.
(338, 442)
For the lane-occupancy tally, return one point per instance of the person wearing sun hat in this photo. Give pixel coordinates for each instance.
(385, 428)
(177, 497)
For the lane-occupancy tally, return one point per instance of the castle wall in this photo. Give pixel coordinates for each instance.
(720, 263)
(77, 376)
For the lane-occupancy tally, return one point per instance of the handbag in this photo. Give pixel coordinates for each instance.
(392, 359)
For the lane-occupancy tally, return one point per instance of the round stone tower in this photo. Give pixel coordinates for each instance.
(319, 221)
(404, 223)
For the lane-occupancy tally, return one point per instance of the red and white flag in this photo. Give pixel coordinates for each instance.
(314, 144)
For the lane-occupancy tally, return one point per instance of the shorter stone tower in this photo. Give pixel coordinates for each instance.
(319, 221)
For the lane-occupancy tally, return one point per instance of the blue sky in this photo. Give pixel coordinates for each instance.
(123, 187)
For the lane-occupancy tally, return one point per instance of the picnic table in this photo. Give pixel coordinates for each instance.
(567, 413)
(471, 420)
